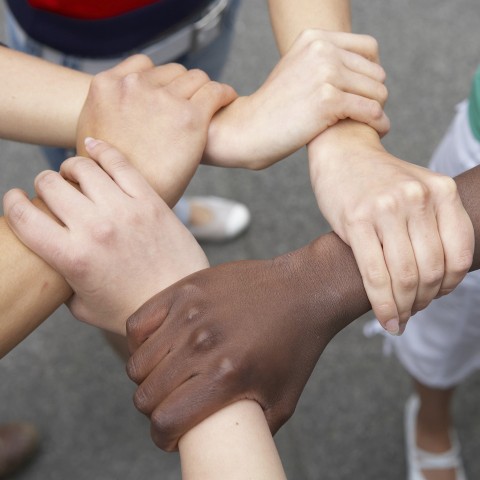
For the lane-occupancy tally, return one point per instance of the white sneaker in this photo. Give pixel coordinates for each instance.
(418, 459)
(226, 219)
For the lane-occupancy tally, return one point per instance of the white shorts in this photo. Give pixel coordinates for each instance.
(441, 344)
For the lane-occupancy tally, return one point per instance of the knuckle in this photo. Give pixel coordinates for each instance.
(328, 94)
(163, 427)
(320, 48)
(371, 45)
(215, 88)
(382, 93)
(142, 60)
(190, 290)
(227, 371)
(100, 82)
(18, 213)
(415, 192)
(375, 110)
(433, 276)
(386, 204)
(141, 400)
(462, 262)
(329, 73)
(204, 339)
(408, 279)
(376, 276)
(187, 119)
(133, 369)
(103, 232)
(79, 164)
(45, 179)
(129, 82)
(198, 75)
(177, 68)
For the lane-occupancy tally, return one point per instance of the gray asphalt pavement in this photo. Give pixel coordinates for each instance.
(348, 424)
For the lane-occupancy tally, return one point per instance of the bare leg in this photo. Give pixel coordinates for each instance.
(433, 425)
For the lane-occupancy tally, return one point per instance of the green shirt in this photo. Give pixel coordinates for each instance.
(474, 105)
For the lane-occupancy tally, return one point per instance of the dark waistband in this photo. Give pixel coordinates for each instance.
(107, 37)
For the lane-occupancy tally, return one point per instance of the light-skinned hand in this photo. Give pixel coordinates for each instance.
(325, 77)
(158, 117)
(118, 242)
(411, 237)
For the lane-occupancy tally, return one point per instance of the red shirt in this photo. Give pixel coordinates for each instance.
(90, 9)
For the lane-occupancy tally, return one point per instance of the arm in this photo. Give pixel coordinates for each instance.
(117, 243)
(290, 19)
(188, 99)
(282, 311)
(325, 77)
(387, 218)
(48, 101)
(44, 98)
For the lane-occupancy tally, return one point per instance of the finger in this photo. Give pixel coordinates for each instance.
(429, 257)
(368, 253)
(116, 165)
(134, 64)
(164, 74)
(364, 45)
(362, 85)
(359, 64)
(362, 110)
(456, 233)
(213, 96)
(401, 264)
(34, 228)
(148, 355)
(191, 403)
(165, 377)
(148, 318)
(62, 198)
(95, 184)
(186, 85)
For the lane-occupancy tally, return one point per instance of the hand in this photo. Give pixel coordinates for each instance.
(325, 77)
(118, 244)
(411, 237)
(157, 117)
(243, 330)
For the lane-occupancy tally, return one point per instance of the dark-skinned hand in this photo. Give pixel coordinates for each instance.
(250, 329)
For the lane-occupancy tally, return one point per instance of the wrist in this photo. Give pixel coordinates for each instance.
(331, 297)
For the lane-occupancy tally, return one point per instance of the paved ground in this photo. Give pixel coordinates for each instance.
(348, 424)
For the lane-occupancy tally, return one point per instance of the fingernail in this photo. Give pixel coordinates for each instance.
(392, 326)
(91, 142)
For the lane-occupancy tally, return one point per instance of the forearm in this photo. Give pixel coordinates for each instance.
(43, 98)
(234, 443)
(289, 19)
(327, 273)
(30, 290)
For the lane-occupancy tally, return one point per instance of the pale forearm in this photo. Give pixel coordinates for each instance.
(30, 290)
(40, 101)
(234, 443)
(289, 19)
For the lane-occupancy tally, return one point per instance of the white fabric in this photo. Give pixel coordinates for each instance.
(441, 344)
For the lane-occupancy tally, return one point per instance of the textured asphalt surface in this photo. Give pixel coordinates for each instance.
(348, 424)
